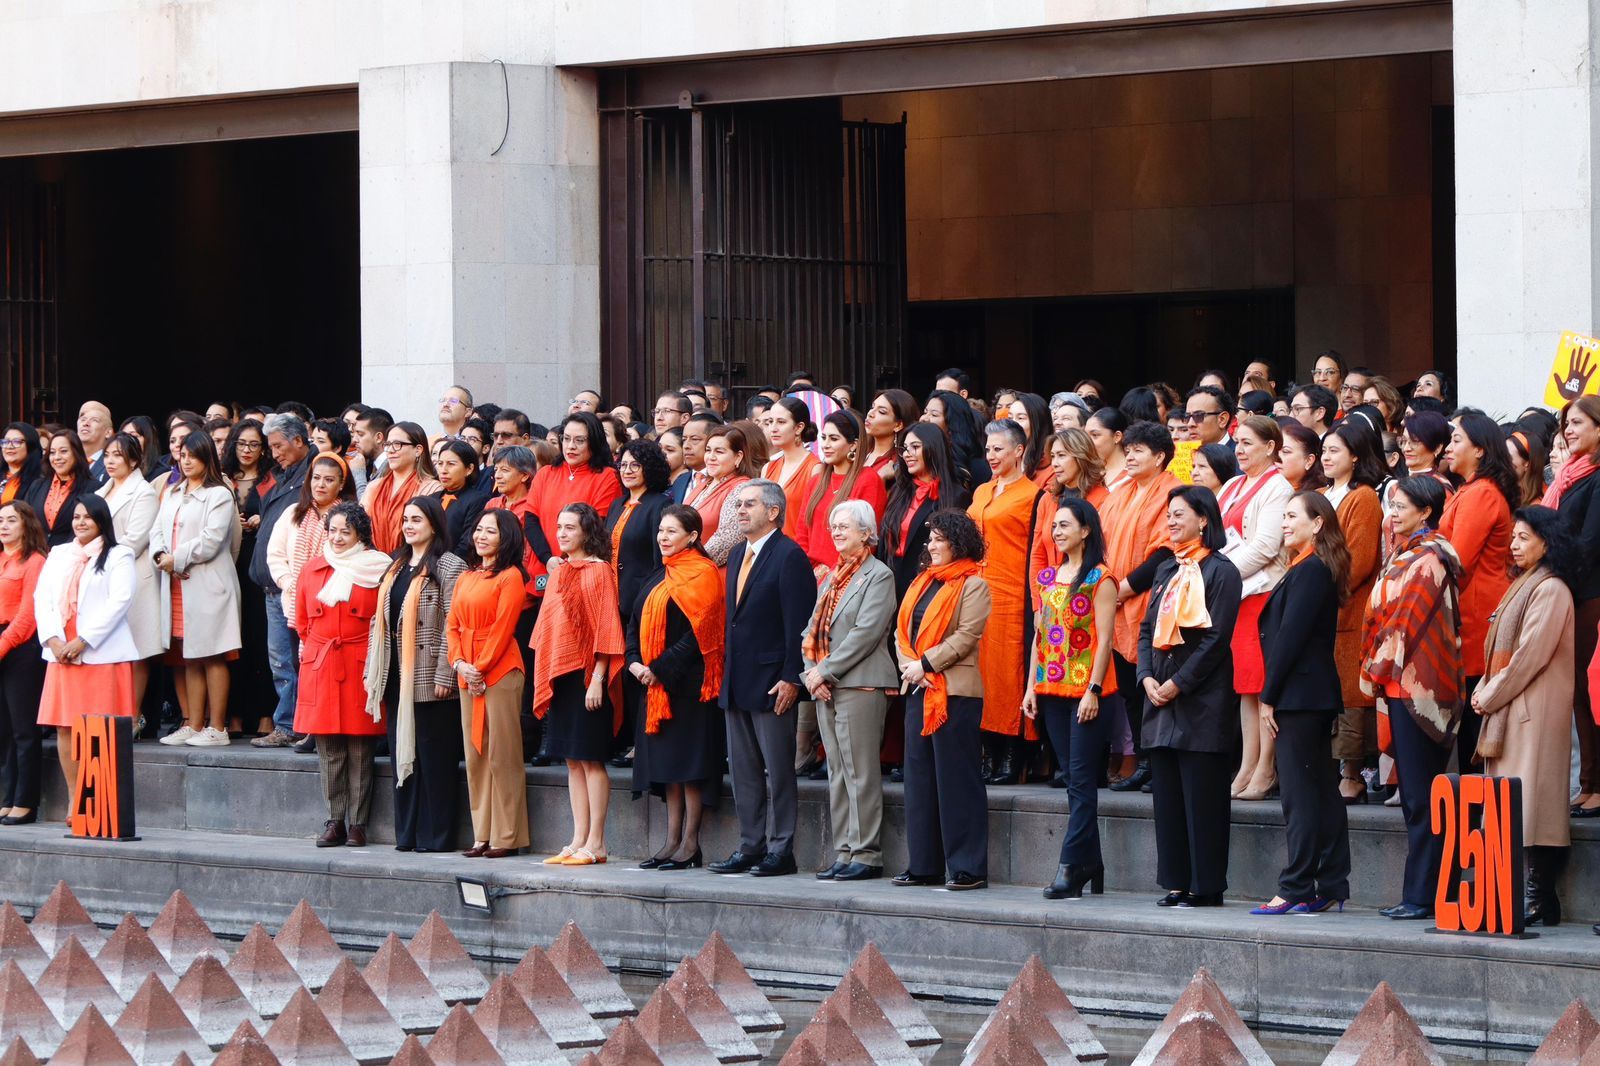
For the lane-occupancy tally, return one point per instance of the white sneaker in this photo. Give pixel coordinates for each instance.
(178, 736)
(209, 738)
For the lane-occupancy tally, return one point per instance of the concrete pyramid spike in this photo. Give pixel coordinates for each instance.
(1568, 1039)
(302, 1035)
(552, 1002)
(155, 1030)
(1198, 1038)
(18, 1053)
(513, 1028)
(670, 1033)
(1008, 1044)
(214, 1002)
(626, 1047)
(183, 1059)
(360, 1018)
(1203, 1000)
(1368, 1023)
(857, 1009)
(827, 1039)
(1399, 1042)
(459, 1042)
(262, 973)
(182, 935)
(892, 998)
(25, 1014)
(245, 1048)
(734, 987)
(92, 1042)
(61, 916)
(1046, 1042)
(595, 986)
(449, 968)
(411, 1053)
(308, 946)
(18, 944)
(710, 1017)
(1036, 991)
(403, 988)
(129, 956)
(72, 981)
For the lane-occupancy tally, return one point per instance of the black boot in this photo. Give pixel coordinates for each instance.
(542, 757)
(1136, 780)
(1543, 905)
(1070, 881)
(1006, 769)
(986, 763)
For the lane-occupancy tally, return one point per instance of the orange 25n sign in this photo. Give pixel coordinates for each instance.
(1481, 874)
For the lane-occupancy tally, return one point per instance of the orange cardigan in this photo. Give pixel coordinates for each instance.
(1477, 523)
(1361, 522)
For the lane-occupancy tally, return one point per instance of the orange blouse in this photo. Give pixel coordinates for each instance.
(18, 578)
(794, 489)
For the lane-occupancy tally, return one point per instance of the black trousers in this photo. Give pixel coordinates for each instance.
(1471, 725)
(532, 728)
(1315, 823)
(947, 807)
(427, 808)
(1418, 760)
(21, 739)
(1132, 696)
(1079, 747)
(1190, 790)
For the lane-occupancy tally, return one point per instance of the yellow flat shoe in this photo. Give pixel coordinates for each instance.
(559, 858)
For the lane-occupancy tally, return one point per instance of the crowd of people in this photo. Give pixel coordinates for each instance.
(1325, 593)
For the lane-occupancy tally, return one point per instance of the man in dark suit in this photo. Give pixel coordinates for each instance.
(771, 593)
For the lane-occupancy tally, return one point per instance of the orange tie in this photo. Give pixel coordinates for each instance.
(744, 573)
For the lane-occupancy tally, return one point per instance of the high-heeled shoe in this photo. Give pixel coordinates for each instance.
(1318, 905)
(1071, 880)
(1007, 770)
(1254, 794)
(1361, 795)
(654, 862)
(693, 862)
(1283, 906)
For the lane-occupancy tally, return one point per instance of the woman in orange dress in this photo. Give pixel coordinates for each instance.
(728, 464)
(81, 607)
(335, 599)
(789, 430)
(1003, 508)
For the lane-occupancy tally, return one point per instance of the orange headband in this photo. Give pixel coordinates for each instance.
(1521, 438)
(336, 457)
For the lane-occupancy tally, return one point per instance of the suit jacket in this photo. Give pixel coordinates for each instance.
(637, 555)
(679, 489)
(858, 649)
(1204, 716)
(1580, 511)
(274, 502)
(956, 656)
(1298, 627)
(59, 531)
(764, 629)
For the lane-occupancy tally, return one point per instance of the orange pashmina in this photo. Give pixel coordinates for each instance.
(578, 623)
(387, 509)
(695, 584)
(935, 625)
(1133, 518)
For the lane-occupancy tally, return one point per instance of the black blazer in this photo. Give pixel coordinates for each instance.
(679, 489)
(680, 667)
(906, 566)
(1580, 510)
(638, 556)
(462, 517)
(1298, 625)
(765, 628)
(34, 494)
(1205, 715)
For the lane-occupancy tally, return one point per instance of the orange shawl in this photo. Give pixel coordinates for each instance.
(1183, 601)
(935, 625)
(388, 507)
(695, 584)
(578, 623)
(1133, 518)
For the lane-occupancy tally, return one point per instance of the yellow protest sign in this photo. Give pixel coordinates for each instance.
(1182, 465)
(1573, 373)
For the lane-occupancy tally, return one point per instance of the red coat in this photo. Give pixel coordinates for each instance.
(333, 657)
(1477, 523)
(814, 537)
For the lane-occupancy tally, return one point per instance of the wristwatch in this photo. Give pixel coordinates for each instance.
(1094, 689)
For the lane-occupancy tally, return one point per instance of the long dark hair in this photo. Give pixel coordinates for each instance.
(961, 425)
(1329, 545)
(1314, 477)
(599, 449)
(433, 511)
(230, 451)
(33, 459)
(849, 426)
(936, 460)
(99, 513)
(80, 461)
(200, 446)
(906, 411)
(1040, 429)
(1213, 536)
(347, 487)
(512, 543)
(1094, 549)
(1531, 446)
(1366, 449)
(1561, 553)
(154, 447)
(690, 520)
(1495, 466)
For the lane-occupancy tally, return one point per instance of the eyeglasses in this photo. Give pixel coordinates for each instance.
(668, 411)
(503, 437)
(628, 464)
(1299, 409)
(12, 442)
(1195, 416)
(452, 401)
(244, 445)
(396, 445)
(574, 440)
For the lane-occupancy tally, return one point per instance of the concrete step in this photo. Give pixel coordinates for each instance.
(277, 792)
(1114, 952)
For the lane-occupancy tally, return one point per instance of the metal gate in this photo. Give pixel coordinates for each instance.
(767, 239)
(30, 246)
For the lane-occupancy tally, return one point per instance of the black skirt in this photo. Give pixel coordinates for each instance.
(572, 730)
(690, 749)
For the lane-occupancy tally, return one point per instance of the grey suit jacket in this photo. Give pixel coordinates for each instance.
(858, 638)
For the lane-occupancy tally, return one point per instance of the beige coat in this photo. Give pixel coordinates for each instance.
(956, 656)
(203, 552)
(133, 517)
(1535, 690)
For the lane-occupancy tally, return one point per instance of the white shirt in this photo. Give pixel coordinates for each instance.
(752, 548)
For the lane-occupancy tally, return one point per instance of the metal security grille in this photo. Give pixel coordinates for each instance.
(767, 238)
(30, 244)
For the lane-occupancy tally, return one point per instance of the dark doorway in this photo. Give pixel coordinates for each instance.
(205, 272)
(1122, 341)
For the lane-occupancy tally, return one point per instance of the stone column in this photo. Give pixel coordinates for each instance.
(1525, 111)
(478, 266)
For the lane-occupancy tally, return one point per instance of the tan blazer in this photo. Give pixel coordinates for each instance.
(956, 656)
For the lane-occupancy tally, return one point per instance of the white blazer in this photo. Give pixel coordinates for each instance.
(103, 600)
(1258, 553)
(133, 516)
(203, 552)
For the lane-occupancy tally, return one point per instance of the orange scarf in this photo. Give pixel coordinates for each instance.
(616, 534)
(695, 585)
(1183, 601)
(388, 506)
(578, 623)
(814, 646)
(935, 626)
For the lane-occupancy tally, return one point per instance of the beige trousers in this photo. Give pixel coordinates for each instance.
(497, 784)
(852, 730)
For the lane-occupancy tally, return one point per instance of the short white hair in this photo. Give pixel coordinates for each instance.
(860, 511)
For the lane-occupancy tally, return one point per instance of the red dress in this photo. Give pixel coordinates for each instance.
(333, 657)
(813, 536)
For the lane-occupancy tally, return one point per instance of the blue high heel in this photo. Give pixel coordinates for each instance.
(1283, 908)
(1318, 905)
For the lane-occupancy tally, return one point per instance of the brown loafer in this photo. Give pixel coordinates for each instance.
(476, 851)
(498, 853)
(356, 837)
(332, 834)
